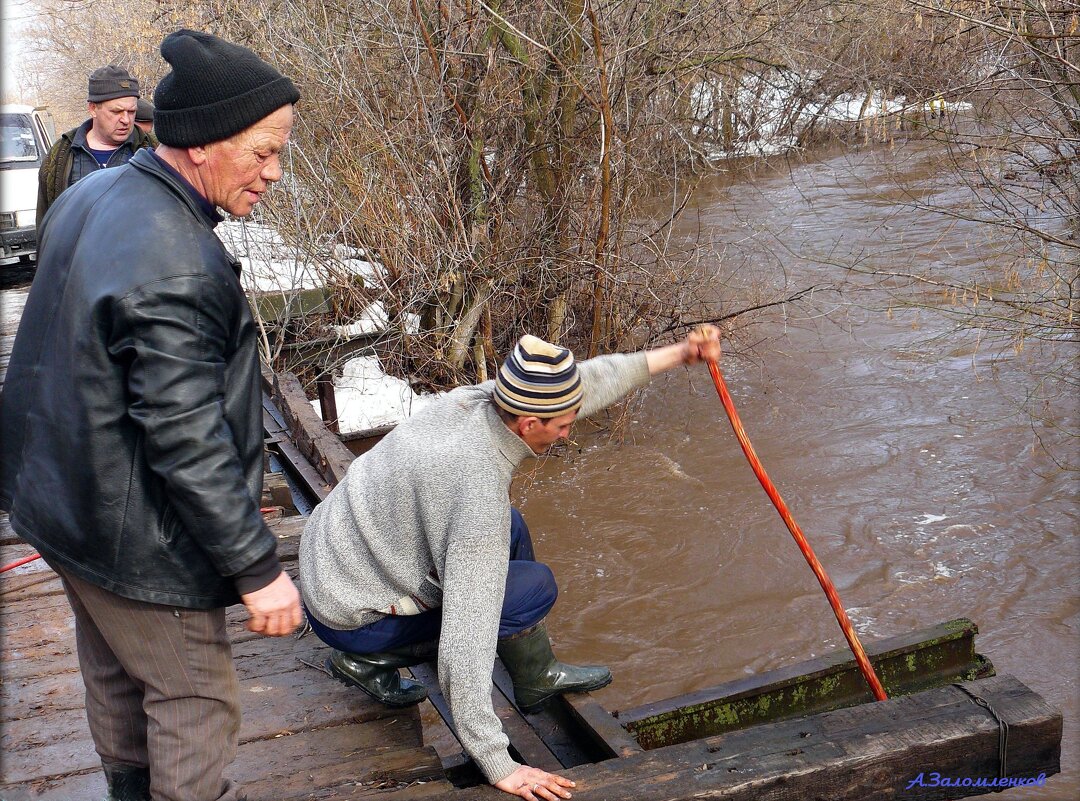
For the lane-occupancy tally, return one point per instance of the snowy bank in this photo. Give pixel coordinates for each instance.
(368, 398)
(765, 114)
(273, 266)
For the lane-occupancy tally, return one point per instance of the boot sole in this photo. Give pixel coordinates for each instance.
(348, 681)
(537, 706)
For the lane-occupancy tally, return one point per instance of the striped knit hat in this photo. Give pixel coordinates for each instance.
(538, 379)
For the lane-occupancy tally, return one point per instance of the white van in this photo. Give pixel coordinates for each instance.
(26, 134)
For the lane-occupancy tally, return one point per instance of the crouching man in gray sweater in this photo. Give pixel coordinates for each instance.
(417, 552)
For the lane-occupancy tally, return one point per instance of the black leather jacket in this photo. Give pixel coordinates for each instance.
(131, 412)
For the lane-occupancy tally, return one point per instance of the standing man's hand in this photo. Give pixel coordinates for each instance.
(534, 784)
(274, 609)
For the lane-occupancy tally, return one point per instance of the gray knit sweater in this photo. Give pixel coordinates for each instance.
(422, 520)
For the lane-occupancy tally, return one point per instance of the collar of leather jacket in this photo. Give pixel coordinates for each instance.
(147, 162)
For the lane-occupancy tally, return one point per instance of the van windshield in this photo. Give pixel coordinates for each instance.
(17, 142)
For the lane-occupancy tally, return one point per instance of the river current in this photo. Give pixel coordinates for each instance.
(903, 448)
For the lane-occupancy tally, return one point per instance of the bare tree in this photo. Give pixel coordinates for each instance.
(500, 161)
(1017, 153)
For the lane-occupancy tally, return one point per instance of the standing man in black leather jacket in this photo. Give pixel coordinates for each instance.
(132, 440)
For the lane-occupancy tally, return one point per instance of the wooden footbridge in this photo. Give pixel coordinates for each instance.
(807, 731)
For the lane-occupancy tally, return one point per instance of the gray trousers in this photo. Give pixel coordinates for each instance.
(161, 690)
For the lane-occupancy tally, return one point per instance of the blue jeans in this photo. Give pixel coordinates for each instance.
(530, 594)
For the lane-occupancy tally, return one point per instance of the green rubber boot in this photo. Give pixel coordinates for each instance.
(378, 675)
(538, 675)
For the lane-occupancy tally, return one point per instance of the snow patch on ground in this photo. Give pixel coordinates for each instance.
(773, 109)
(269, 264)
(368, 398)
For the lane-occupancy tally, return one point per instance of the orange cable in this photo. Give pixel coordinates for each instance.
(804, 546)
(18, 562)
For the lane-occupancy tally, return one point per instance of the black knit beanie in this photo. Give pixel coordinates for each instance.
(216, 89)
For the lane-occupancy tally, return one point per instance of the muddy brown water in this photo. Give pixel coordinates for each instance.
(904, 457)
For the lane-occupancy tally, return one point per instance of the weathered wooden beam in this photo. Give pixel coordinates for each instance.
(601, 728)
(871, 752)
(273, 307)
(907, 663)
(317, 444)
(276, 492)
(524, 740)
(551, 723)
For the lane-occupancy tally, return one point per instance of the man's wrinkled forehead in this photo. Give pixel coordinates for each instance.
(118, 104)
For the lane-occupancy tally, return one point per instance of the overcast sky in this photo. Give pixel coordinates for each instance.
(15, 14)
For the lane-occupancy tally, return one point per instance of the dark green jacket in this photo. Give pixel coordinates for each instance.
(55, 173)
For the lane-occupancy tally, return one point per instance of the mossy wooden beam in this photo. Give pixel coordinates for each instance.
(907, 663)
(272, 307)
(880, 751)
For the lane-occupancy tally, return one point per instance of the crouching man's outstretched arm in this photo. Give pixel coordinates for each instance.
(703, 344)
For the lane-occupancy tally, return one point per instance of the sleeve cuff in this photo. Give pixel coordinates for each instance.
(258, 575)
(496, 766)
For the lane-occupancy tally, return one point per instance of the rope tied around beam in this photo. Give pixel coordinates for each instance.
(1003, 727)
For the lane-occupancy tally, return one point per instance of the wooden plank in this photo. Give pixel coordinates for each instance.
(317, 444)
(29, 581)
(255, 659)
(275, 492)
(273, 705)
(290, 303)
(551, 724)
(601, 728)
(89, 785)
(288, 531)
(45, 724)
(460, 767)
(907, 663)
(302, 767)
(282, 769)
(302, 471)
(524, 741)
(870, 752)
(7, 533)
(18, 588)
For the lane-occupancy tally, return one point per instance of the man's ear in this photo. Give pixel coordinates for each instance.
(197, 155)
(525, 424)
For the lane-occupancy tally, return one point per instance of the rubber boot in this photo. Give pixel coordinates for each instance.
(538, 675)
(127, 783)
(378, 676)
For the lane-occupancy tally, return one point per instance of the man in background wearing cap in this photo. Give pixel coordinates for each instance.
(418, 550)
(132, 449)
(108, 139)
(144, 118)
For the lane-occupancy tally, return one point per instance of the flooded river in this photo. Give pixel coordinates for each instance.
(904, 456)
